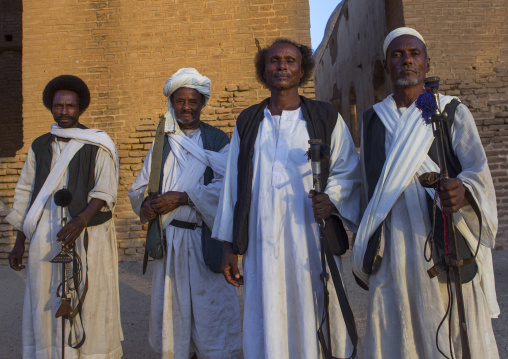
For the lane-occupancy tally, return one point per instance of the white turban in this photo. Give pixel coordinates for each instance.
(186, 77)
(399, 32)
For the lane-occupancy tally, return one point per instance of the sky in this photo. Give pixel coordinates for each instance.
(320, 11)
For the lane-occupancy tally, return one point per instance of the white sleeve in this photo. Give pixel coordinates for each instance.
(23, 193)
(137, 191)
(106, 180)
(343, 184)
(475, 175)
(223, 226)
(206, 198)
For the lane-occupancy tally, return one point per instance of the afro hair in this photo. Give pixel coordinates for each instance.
(69, 83)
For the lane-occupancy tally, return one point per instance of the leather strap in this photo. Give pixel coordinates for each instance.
(81, 299)
(345, 308)
(184, 225)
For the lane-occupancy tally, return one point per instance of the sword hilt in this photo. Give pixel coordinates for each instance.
(315, 160)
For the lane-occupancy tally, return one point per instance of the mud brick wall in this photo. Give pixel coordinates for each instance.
(125, 51)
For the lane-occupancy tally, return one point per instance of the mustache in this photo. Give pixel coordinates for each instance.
(183, 113)
(66, 117)
(412, 69)
(282, 73)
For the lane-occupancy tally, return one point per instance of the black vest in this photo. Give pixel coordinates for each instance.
(374, 159)
(213, 140)
(81, 175)
(321, 118)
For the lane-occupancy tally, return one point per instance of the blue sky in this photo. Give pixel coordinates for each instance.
(320, 11)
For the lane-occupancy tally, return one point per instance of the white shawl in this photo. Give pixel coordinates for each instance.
(79, 137)
(194, 160)
(407, 156)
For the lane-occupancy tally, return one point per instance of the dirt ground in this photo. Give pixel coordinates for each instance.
(135, 307)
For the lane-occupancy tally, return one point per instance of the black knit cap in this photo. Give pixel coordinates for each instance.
(69, 83)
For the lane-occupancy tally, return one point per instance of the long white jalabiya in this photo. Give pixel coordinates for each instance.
(186, 77)
(101, 310)
(402, 297)
(283, 297)
(79, 137)
(408, 158)
(189, 303)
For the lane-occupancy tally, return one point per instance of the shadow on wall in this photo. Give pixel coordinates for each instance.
(11, 95)
(11, 102)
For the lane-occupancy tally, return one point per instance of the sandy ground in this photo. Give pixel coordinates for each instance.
(135, 307)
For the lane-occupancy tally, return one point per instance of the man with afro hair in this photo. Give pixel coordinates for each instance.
(268, 211)
(81, 164)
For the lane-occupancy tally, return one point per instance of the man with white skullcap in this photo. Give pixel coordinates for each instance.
(193, 309)
(408, 309)
(82, 164)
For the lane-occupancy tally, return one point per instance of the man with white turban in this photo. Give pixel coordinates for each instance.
(85, 162)
(193, 309)
(392, 252)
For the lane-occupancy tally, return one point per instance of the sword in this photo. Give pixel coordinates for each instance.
(453, 259)
(317, 152)
(62, 199)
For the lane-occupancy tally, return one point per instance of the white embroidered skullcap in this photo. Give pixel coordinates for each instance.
(399, 32)
(186, 77)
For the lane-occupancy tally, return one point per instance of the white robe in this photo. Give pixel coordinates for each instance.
(283, 296)
(193, 309)
(101, 309)
(405, 305)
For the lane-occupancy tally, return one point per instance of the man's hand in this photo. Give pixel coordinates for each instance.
(70, 232)
(452, 195)
(230, 265)
(321, 205)
(16, 256)
(168, 201)
(147, 210)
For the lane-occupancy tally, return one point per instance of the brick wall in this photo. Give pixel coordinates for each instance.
(468, 46)
(11, 136)
(125, 51)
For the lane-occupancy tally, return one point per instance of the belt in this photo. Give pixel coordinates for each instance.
(183, 224)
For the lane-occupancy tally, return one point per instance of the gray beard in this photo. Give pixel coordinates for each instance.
(407, 83)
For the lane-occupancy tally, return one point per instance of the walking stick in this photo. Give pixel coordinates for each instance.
(62, 199)
(317, 152)
(453, 260)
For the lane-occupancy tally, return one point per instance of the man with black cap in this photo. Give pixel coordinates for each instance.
(85, 162)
